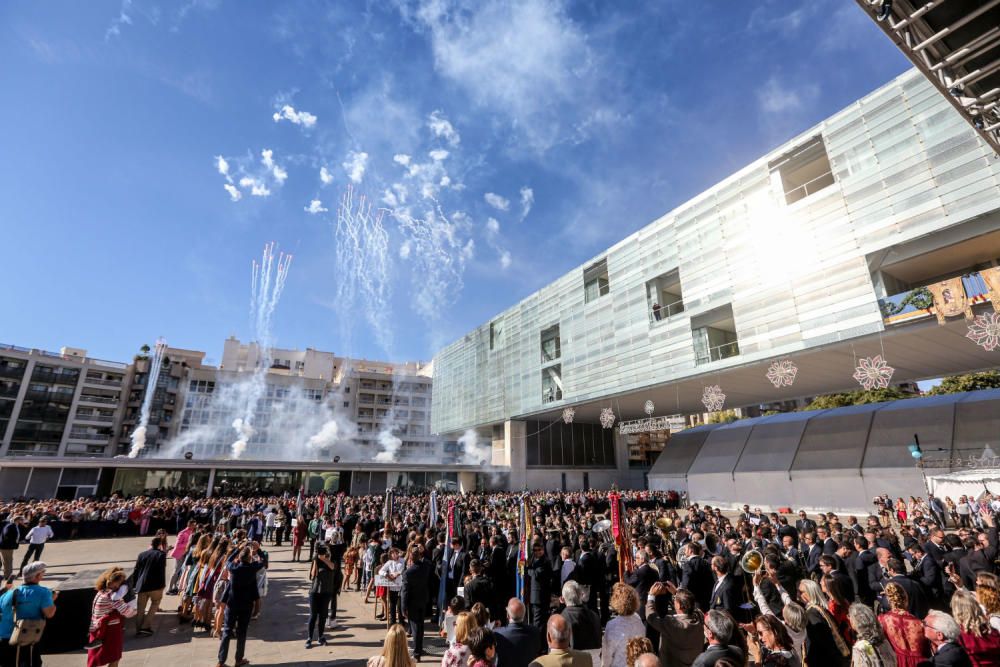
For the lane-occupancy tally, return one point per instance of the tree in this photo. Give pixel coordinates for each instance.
(857, 397)
(144, 349)
(968, 382)
(723, 417)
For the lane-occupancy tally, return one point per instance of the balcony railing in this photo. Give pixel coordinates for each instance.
(102, 382)
(16, 372)
(95, 418)
(55, 378)
(918, 302)
(718, 353)
(663, 312)
(89, 436)
(552, 395)
(98, 399)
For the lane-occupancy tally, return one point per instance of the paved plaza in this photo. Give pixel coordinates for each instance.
(276, 638)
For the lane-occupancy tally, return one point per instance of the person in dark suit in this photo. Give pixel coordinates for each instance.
(813, 552)
(456, 568)
(149, 579)
(239, 601)
(725, 593)
(538, 579)
(897, 575)
(784, 530)
(592, 573)
(584, 623)
(804, 524)
(478, 587)
(553, 545)
(928, 573)
(642, 578)
(943, 633)
(518, 643)
(827, 543)
(696, 576)
(829, 565)
(936, 547)
(415, 595)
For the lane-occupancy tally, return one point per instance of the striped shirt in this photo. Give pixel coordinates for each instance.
(104, 604)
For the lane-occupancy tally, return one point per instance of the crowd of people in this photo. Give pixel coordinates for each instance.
(681, 585)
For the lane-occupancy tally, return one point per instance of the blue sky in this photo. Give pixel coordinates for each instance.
(505, 143)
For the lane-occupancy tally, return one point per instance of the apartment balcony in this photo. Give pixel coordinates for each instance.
(55, 378)
(102, 382)
(658, 313)
(9, 392)
(918, 303)
(37, 435)
(13, 372)
(717, 353)
(103, 400)
(105, 419)
(90, 437)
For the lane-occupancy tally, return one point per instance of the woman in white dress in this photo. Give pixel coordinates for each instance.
(626, 625)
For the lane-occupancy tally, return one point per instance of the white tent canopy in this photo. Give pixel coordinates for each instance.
(965, 483)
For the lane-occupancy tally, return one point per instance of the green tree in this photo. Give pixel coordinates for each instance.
(857, 397)
(723, 417)
(968, 382)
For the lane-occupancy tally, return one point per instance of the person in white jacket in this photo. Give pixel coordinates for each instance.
(37, 537)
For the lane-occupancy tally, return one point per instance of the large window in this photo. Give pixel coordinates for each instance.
(714, 335)
(550, 344)
(664, 297)
(552, 386)
(575, 445)
(596, 282)
(496, 334)
(803, 170)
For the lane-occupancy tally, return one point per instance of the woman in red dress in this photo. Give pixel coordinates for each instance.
(300, 533)
(107, 619)
(903, 630)
(838, 606)
(979, 640)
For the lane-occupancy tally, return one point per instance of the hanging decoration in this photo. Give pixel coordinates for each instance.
(873, 373)
(950, 299)
(985, 331)
(607, 417)
(649, 408)
(568, 414)
(713, 398)
(782, 373)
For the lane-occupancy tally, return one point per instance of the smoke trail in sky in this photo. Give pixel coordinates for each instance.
(363, 267)
(267, 282)
(153, 375)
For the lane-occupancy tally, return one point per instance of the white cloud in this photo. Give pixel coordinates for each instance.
(504, 259)
(401, 158)
(527, 201)
(355, 165)
(438, 154)
(497, 202)
(288, 112)
(404, 249)
(223, 167)
(527, 58)
(442, 127)
(257, 188)
(279, 174)
(325, 176)
(115, 29)
(267, 157)
(492, 226)
(775, 97)
(234, 192)
(316, 206)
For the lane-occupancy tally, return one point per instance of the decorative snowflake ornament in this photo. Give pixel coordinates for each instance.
(713, 398)
(985, 331)
(568, 414)
(782, 373)
(607, 417)
(873, 372)
(649, 408)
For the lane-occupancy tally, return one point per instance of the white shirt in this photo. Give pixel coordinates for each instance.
(391, 567)
(40, 534)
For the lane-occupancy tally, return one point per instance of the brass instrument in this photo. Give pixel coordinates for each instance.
(602, 529)
(752, 561)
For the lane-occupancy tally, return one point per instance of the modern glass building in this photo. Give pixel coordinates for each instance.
(842, 244)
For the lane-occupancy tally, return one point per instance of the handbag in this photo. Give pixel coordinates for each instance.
(27, 631)
(220, 591)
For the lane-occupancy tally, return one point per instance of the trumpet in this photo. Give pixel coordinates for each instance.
(752, 561)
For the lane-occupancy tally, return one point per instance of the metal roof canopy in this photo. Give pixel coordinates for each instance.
(956, 45)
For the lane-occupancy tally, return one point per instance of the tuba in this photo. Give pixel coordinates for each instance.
(602, 529)
(752, 561)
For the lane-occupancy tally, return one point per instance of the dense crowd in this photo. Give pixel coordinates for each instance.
(913, 582)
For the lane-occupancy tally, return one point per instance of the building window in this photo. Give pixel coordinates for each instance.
(496, 334)
(552, 387)
(802, 171)
(550, 344)
(664, 296)
(714, 335)
(595, 281)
